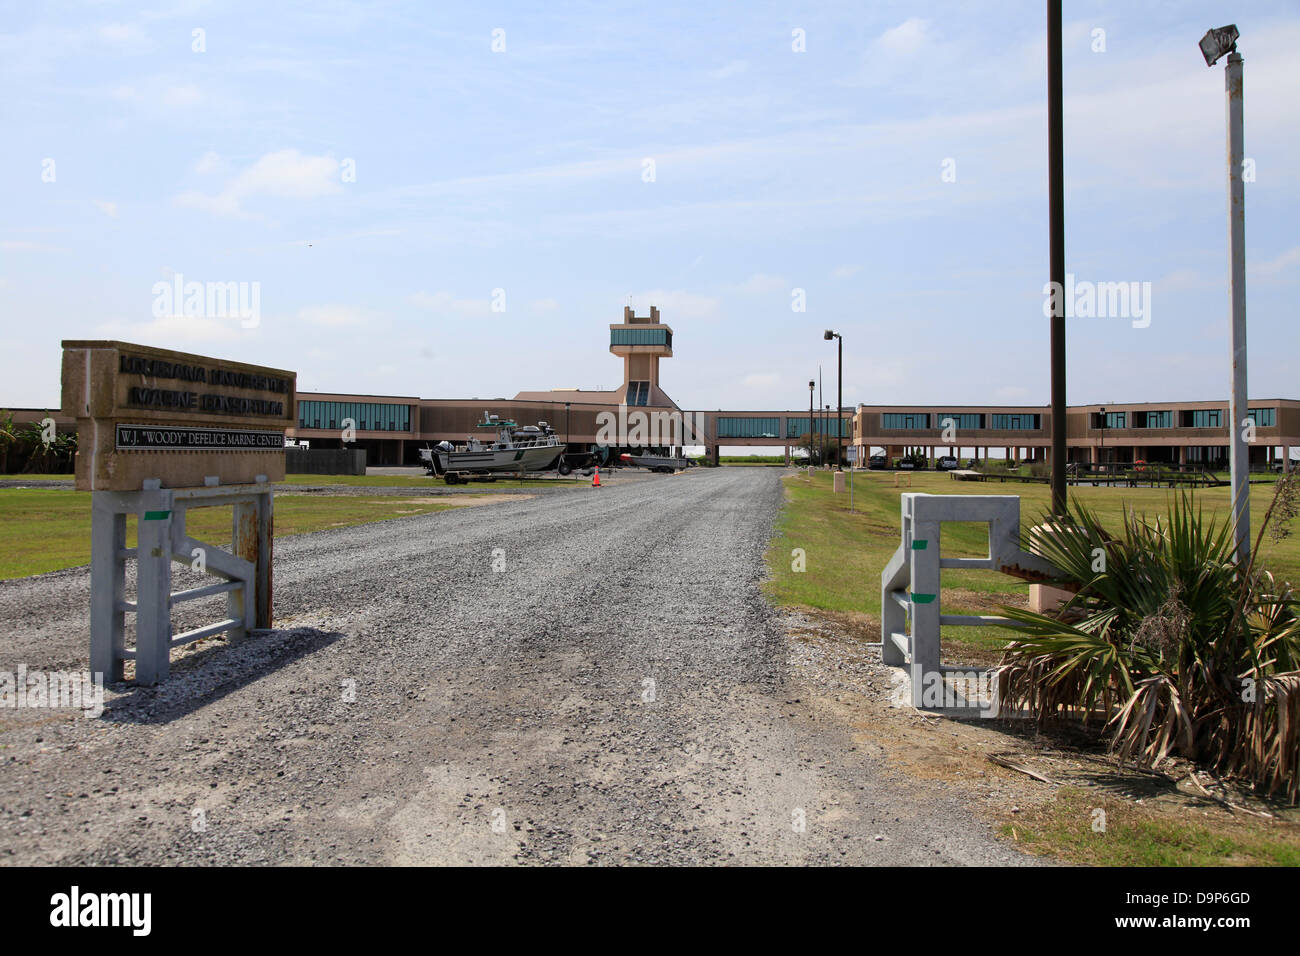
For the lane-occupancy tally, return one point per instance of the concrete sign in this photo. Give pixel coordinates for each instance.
(187, 420)
(159, 434)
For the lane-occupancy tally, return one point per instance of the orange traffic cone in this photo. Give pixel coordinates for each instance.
(595, 479)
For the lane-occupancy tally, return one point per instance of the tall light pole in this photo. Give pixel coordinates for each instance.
(1214, 45)
(839, 399)
(821, 423)
(811, 386)
(1056, 229)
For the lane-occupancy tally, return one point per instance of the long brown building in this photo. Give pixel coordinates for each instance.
(392, 428)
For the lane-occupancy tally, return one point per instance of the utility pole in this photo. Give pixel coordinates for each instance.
(1056, 216)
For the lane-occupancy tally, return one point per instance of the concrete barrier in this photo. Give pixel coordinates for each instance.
(325, 461)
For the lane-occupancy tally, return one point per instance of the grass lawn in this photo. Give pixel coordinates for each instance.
(1135, 835)
(846, 552)
(751, 460)
(48, 529)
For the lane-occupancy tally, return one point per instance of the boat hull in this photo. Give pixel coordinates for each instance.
(658, 462)
(488, 460)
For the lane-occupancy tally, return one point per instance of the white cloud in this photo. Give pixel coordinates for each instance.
(107, 207)
(444, 302)
(175, 330)
(209, 162)
(185, 95)
(121, 34)
(333, 316)
(1278, 264)
(734, 68)
(906, 38)
(285, 174)
(26, 245)
(679, 304)
(762, 284)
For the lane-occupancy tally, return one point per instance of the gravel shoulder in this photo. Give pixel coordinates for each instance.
(618, 692)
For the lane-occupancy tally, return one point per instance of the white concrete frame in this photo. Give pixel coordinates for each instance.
(910, 603)
(161, 539)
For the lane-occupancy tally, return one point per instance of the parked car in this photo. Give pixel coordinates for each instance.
(878, 462)
(948, 463)
(906, 464)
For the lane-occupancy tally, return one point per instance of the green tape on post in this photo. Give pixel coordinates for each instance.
(920, 544)
(922, 598)
(157, 515)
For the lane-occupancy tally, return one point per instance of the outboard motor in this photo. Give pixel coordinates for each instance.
(435, 462)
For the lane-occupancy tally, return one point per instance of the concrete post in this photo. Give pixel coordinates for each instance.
(925, 601)
(153, 587)
(108, 572)
(252, 525)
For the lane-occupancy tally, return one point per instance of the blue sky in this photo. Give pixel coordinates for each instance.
(524, 170)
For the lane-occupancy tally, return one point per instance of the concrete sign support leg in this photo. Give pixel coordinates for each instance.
(108, 588)
(153, 625)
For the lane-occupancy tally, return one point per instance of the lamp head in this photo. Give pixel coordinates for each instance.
(829, 335)
(1217, 42)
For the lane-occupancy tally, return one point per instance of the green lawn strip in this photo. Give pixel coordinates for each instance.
(1136, 835)
(845, 552)
(49, 529)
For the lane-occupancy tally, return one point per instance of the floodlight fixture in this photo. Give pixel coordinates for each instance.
(1218, 42)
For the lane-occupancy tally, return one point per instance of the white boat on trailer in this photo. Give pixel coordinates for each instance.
(516, 448)
(662, 463)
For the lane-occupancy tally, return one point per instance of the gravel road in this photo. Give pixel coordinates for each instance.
(618, 691)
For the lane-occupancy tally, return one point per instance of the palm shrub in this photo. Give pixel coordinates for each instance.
(1167, 643)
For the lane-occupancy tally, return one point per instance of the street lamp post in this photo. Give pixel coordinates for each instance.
(1214, 45)
(839, 399)
(811, 386)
